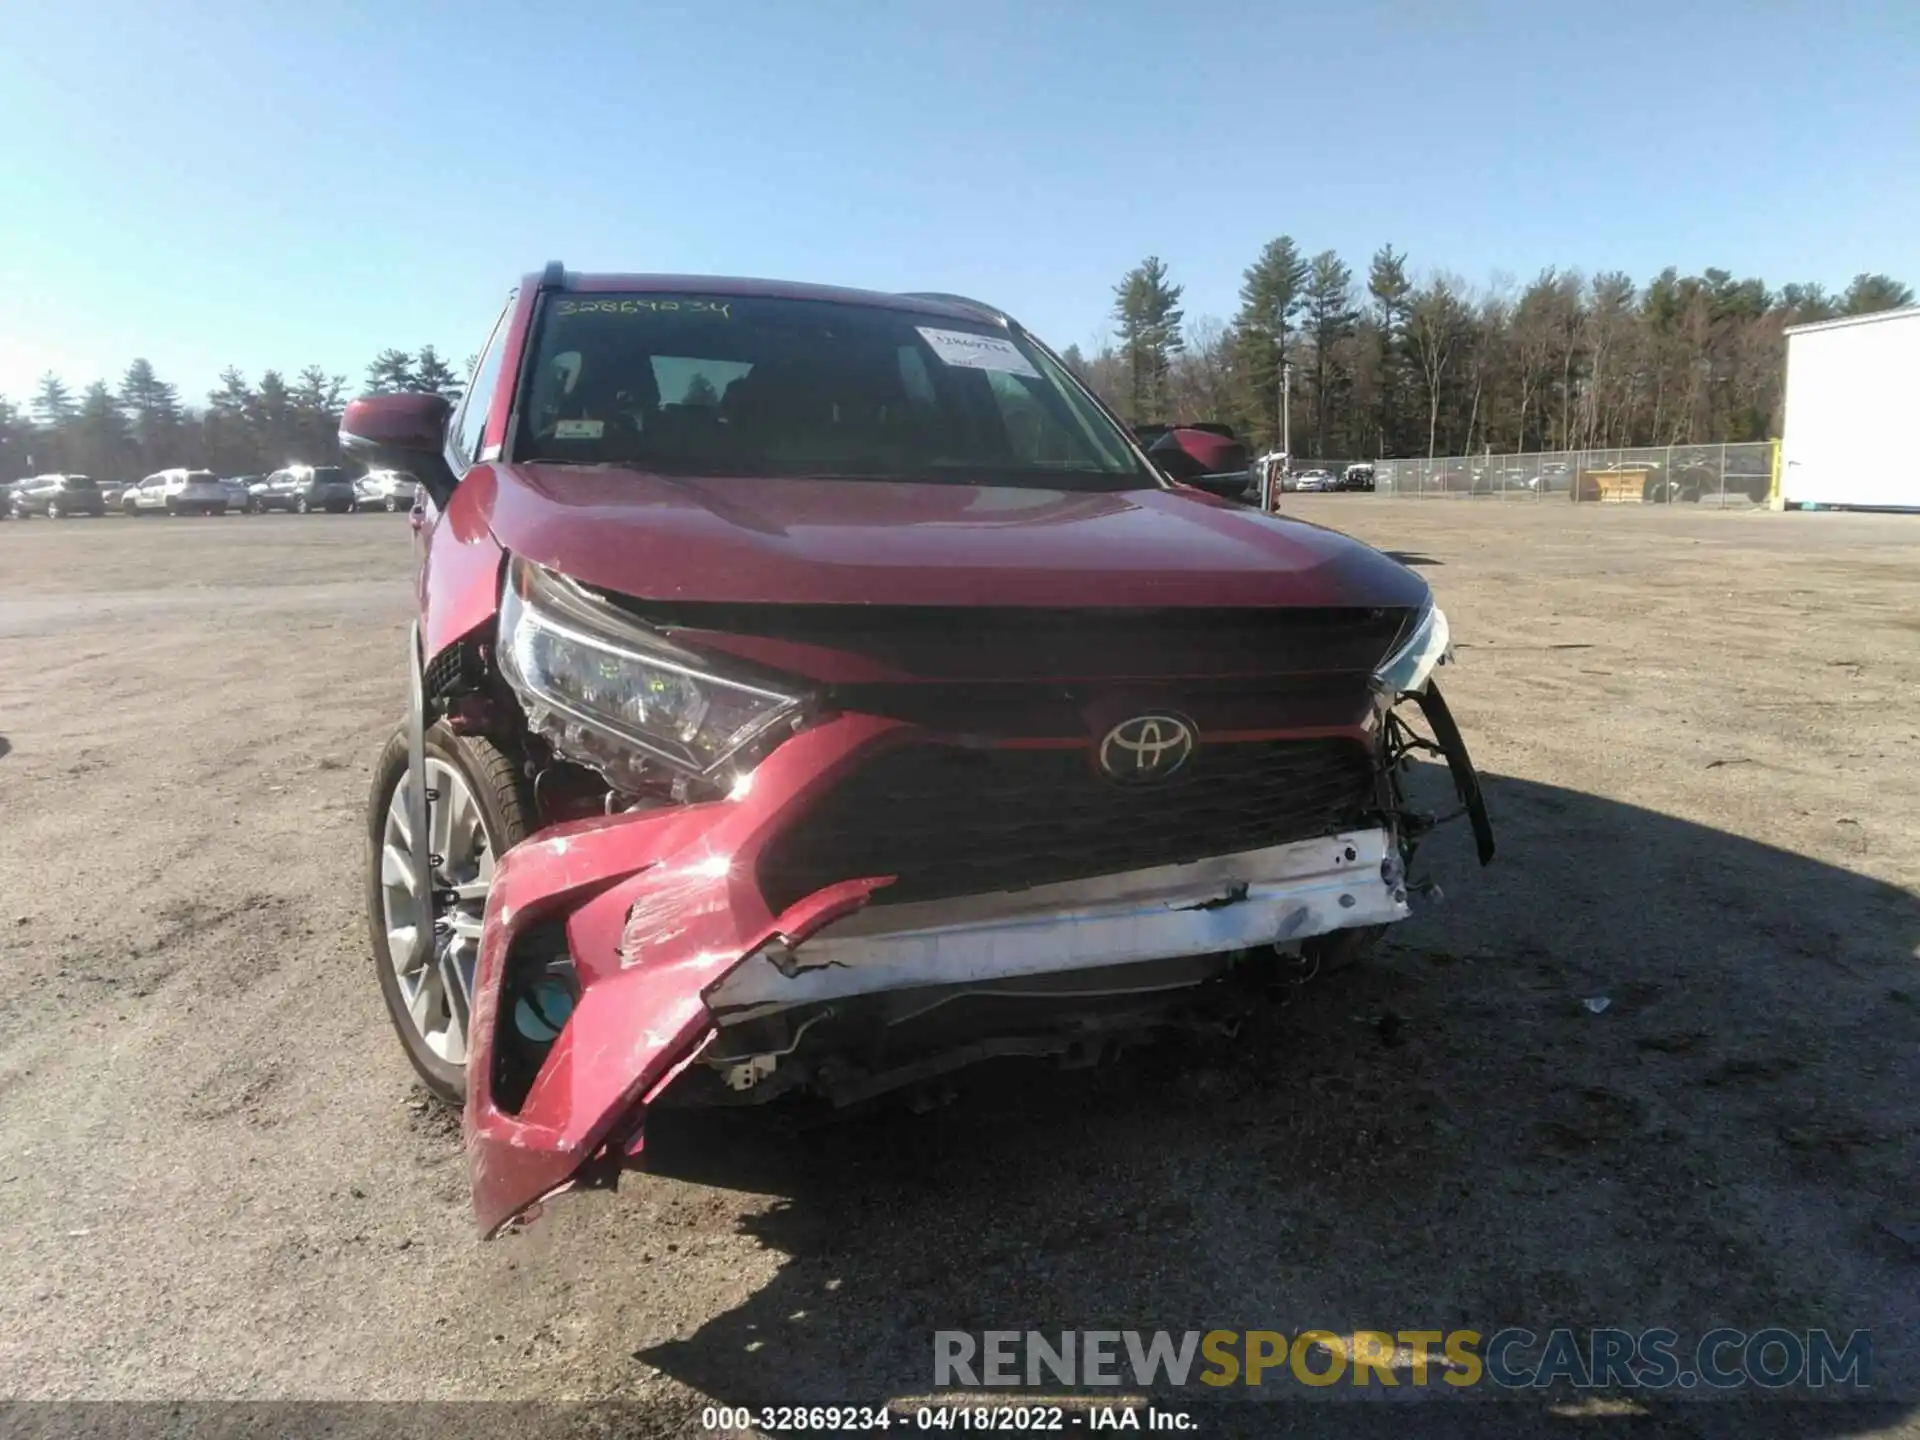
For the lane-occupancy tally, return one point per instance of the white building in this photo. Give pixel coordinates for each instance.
(1848, 438)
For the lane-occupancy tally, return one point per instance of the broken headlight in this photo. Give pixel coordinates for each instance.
(1412, 663)
(610, 693)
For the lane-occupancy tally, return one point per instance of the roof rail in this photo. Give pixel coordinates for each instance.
(992, 311)
(554, 277)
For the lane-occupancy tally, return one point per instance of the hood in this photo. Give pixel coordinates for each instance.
(760, 541)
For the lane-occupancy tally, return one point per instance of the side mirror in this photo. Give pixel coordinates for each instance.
(402, 432)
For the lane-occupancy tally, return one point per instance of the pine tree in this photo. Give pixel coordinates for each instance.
(317, 401)
(1807, 304)
(390, 373)
(1147, 316)
(100, 445)
(272, 425)
(152, 408)
(1869, 293)
(1330, 318)
(1389, 288)
(229, 445)
(1270, 298)
(232, 396)
(52, 403)
(319, 393)
(15, 440)
(434, 376)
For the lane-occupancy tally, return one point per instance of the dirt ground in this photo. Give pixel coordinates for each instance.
(217, 1178)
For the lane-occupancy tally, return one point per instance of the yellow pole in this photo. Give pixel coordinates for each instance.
(1775, 501)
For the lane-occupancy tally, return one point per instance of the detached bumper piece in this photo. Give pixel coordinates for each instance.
(1452, 747)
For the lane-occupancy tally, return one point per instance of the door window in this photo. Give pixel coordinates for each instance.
(470, 421)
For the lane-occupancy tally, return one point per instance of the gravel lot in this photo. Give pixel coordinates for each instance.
(218, 1179)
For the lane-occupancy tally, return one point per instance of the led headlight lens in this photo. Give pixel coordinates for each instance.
(603, 687)
(1412, 664)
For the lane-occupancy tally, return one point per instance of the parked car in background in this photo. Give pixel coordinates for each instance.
(1156, 762)
(389, 490)
(1697, 480)
(56, 497)
(1357, 477)
(176, 492)
(239, 495)
(6, 498)
(304, 489)
(1313, 482)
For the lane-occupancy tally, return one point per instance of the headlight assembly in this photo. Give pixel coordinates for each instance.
(1411, 665)
(612, 694)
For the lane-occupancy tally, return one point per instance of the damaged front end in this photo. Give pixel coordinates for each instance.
(742, 885)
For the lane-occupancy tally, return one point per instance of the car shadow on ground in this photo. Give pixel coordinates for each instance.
(1447, 1136)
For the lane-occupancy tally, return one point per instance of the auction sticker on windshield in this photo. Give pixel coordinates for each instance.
(976, 352)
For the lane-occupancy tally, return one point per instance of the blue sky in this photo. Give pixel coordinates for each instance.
(277, 184)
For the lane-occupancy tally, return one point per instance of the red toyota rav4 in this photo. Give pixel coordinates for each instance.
(821, 690)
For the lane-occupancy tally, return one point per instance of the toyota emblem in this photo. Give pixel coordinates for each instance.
(1146, 749)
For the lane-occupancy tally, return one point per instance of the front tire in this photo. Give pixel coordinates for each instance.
(300, 506)
(54, 512)
(480, 814)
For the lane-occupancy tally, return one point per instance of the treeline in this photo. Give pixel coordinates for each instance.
(1395, 366)
(1388, 365)
(122, 433)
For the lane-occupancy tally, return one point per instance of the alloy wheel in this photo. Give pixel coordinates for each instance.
(437, 990)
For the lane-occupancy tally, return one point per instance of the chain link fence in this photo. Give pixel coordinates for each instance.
(1720, 475)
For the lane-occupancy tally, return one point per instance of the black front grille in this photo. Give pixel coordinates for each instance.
(954, 821)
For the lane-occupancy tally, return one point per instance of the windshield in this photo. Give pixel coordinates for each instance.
(751, 385)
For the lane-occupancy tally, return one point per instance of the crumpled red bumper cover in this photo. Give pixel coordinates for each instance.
(657, 907)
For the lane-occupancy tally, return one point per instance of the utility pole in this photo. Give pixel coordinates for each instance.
(1286, 411)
